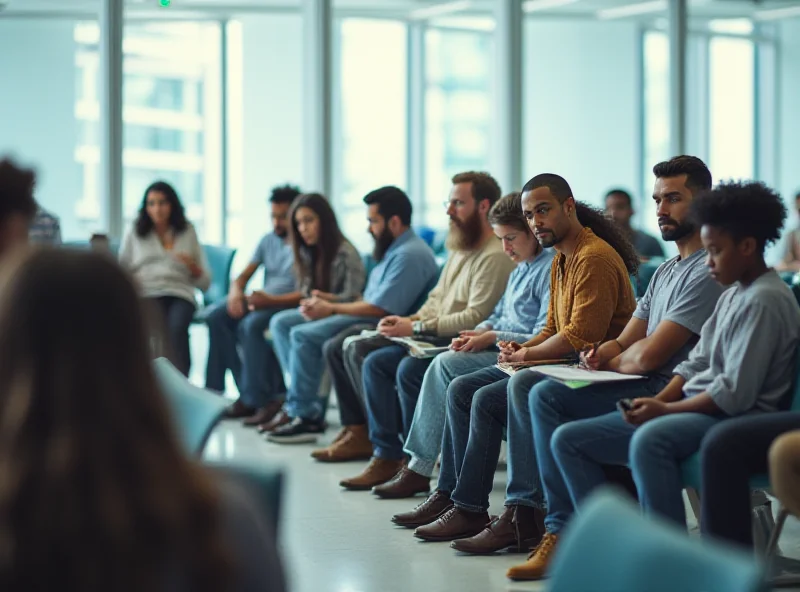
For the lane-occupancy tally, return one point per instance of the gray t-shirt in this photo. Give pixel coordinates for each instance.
(745, 359)
(681, 291)
(277, 257)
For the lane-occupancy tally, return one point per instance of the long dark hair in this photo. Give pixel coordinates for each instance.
(177, 215)
(96, 493)
(609, 231)
(316, 261)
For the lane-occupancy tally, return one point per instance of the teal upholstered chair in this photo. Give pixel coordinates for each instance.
(195, 410)
(766, 529)
(262, 481)
(646, 271)
(220, 262)
(611, 546)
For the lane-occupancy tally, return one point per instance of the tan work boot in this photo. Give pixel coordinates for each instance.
(378, 471)
(535, 568)
(352, 443)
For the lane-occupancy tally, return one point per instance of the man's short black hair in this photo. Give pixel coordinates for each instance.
(284, 194)
(16, 190)
(742, 209)
(391, 201)
(698, 177)
(622, 193)
(557, 185)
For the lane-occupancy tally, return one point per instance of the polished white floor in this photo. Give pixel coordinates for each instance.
(340, 541)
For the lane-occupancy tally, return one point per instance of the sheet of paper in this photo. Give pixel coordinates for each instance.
(575, 374)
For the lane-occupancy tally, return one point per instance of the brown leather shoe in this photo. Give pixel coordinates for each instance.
(535, 568)
(352, 443)
(428, 511)
(406, 483)
(238, 410)
(264, 415)
(378, 471)
(280, 419)
(322, 453)
(454, 524)
(518, 528)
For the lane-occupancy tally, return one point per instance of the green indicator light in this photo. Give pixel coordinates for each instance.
(164, 3)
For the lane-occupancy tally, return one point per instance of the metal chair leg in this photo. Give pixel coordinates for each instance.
(694, 501)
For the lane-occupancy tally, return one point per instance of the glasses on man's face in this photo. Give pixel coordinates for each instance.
(454, 203)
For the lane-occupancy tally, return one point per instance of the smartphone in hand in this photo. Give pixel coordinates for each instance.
(625, 406)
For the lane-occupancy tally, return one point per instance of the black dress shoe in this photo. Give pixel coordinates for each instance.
(428, 511)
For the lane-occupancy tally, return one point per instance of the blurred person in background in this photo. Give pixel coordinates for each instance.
(619, 207)
(96, 493)
(162, 251)
(45, 228)
(17, 205)
(236, 327)
(791, 256)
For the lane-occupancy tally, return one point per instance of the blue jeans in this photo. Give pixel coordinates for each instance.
(256, 370)
(298, 343)
(476, 416)
(524, 488)
(424, 440)
(654, 452)
(383, 370)
(733, 452)
(551, 405)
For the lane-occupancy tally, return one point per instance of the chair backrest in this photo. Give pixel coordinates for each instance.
(424, 294)
(220, 261)
(427, 234)
(647, 270)
(195, 411)
(611, 546)
(262, 481)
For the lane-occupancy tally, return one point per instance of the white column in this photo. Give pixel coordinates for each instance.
(678, 28)
(507, 128)
(317, 96)
(111, 31)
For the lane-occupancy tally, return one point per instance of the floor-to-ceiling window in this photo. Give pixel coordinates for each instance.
(731, 101)
(371, 146)
(457, 111)
(171, 115)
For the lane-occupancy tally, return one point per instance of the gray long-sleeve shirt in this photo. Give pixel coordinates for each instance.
(745, 359)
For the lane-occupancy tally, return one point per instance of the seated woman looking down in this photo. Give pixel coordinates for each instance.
(95, 491)
(162, 251)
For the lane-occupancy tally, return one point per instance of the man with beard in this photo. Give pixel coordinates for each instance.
(405, 271)
(591, 299)
(665, 327)
(471, 284)
(238, 324)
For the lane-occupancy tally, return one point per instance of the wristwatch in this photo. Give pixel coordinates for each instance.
(416, 327)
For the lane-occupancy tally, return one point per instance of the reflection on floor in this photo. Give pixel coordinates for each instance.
(340, 541)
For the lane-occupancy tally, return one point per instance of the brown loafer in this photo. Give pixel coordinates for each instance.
(454, 524)
(378, 471)
(264, 415)
(352, 443)
(518, 528)
(280, 419)
(406, 483)
(428, 511)
(238, 410)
